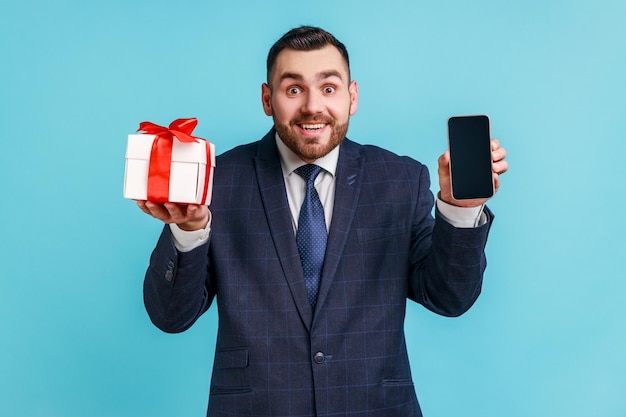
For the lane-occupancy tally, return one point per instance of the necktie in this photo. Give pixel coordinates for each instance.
(311, 235)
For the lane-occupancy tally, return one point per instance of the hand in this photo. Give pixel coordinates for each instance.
(188, 217)
(500, 166)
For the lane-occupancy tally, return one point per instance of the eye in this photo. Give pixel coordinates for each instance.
(292, 91)
(329, 89)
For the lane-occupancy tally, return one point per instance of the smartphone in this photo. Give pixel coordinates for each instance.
(469, 139)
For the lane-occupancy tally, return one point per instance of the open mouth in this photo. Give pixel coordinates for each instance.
(312, 126)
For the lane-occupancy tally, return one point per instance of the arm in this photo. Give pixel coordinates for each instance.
(448, 280)
(177, 289)
(449, 262)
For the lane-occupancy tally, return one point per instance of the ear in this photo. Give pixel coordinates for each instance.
(354, 97)
(266, 98)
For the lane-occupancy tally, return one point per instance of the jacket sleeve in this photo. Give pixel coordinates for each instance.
(448, 263)
(177, 286)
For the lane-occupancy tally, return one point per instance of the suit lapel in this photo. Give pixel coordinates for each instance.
(274, 196)
(348, 180)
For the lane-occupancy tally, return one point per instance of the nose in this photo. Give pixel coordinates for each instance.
(313, 103)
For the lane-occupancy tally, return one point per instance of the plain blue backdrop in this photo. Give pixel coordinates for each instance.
(546, 338)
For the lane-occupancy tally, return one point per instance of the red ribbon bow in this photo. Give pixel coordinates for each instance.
(161, 155)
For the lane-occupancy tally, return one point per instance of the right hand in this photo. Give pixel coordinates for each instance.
(499, 164)
(188, 217)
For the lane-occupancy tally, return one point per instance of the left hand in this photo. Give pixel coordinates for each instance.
(500, 166)
(188, 217)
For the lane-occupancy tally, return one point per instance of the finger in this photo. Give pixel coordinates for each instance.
(496, 182)
(193, 210)
(158, 211)
(495, 144)
(142, 206)
(500, 167)
(177, 212)
(443, 162)
(498, 154)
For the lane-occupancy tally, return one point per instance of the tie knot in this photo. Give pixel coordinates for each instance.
(309, 172)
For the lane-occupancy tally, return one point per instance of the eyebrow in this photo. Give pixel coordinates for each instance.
(319, 76)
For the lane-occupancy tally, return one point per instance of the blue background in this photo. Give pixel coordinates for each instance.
(546, 338)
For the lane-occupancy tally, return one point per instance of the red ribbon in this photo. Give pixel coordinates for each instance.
(161, 155)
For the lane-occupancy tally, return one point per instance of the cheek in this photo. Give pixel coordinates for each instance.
(283, 109)
(340, 111)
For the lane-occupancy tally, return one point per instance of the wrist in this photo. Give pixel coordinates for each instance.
(193, 225)
(461, 203)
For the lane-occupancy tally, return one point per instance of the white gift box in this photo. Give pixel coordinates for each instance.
(188, 180)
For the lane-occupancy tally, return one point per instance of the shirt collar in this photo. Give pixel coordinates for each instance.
(290, 161)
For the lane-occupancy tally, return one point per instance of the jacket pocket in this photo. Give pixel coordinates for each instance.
(230, 391)
(397, 382)
(399, 397)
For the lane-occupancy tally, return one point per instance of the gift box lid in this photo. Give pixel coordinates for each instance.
(140, 147)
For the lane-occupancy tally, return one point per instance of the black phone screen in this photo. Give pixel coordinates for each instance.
(470, 157)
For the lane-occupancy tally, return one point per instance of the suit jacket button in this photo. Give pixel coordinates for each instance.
(319, 358)
(169, 275)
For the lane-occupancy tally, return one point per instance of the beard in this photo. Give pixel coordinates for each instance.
(310, 149)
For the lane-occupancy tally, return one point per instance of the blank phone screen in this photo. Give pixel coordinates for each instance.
(470, 157)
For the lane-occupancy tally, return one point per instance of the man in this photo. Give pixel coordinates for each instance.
(300, 336)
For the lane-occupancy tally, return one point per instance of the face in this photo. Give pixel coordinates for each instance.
(311, 99)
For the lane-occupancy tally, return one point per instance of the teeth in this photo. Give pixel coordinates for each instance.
(313, 127)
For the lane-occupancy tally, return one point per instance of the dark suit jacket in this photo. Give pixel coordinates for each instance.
(274, 355)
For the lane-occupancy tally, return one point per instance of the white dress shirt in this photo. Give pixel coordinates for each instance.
(461, 217)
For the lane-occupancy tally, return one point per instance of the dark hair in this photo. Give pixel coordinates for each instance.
(305, 38)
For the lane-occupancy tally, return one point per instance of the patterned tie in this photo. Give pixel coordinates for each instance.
(311, 235)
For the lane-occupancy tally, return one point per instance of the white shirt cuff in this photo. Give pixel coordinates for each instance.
(186, 241)
(462, 217)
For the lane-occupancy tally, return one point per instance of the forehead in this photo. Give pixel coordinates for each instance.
(310, 64)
